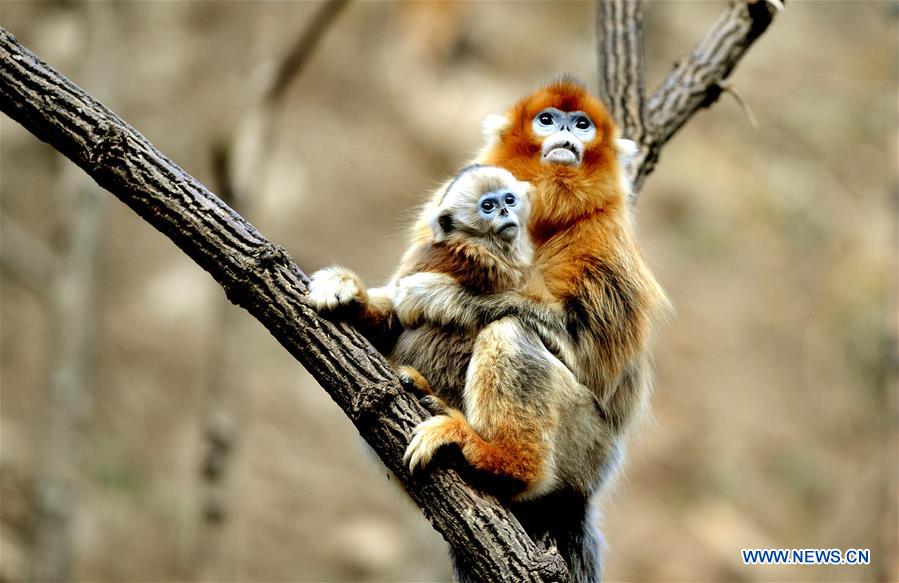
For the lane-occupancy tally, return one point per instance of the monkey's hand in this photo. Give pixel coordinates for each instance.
(338, 292)
(335, 287)
(428, 297)
(437, 298)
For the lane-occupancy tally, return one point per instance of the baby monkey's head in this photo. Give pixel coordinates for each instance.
(483, 202)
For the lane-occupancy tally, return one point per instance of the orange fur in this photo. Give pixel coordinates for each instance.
(516, 455)
(580, 219)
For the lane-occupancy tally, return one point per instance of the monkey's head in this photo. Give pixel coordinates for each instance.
(485, 203)
(563, 140)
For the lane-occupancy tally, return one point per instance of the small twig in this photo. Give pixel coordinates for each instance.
(239, 165)
(74, 305)
(728, 87)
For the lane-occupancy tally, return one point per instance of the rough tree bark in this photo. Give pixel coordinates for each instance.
(260, 277)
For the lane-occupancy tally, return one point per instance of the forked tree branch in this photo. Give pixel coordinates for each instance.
(262, 278)
(696, 81)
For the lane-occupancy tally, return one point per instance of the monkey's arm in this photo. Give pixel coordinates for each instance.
(339, 292)
(439, 299)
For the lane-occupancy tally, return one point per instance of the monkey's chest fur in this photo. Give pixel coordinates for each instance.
(441, 355)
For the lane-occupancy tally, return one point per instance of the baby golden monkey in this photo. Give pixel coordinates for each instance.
(508, 427)
(479, 238)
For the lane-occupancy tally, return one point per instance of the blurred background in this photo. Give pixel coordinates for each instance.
(151, 431)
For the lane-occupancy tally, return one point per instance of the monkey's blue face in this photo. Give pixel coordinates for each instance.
(565, 133)
(500, 210)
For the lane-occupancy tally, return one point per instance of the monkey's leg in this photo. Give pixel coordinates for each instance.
(509, 461)
(509, 399)
(509, 427)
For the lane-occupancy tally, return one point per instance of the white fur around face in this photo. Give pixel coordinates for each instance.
(493, 127)
(627, 151)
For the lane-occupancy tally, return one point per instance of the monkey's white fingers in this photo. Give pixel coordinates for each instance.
(428, 437)
(334, 287)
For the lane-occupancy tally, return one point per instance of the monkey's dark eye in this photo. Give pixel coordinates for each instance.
(510, 199)
(582, 123)
(487, 206)
(545, 119)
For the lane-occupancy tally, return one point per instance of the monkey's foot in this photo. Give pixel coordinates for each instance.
(434, 404)
(433, 434)
(413, 380)
(335, 287)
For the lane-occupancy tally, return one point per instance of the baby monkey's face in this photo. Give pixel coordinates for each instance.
(499, 209)
(483, 202)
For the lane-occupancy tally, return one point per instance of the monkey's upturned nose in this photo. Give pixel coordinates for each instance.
(504, 212)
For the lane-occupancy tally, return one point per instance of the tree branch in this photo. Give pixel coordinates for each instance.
(696, 81)
(619, 37)
(262, 278)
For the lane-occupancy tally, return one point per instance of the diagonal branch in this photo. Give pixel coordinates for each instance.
(262, 278)
(696, 81)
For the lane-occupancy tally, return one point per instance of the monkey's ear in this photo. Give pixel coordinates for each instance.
(493, 127)
(627, 151)
(442, 225)
(446, 223)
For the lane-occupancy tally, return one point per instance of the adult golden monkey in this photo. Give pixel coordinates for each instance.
(590, 285)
